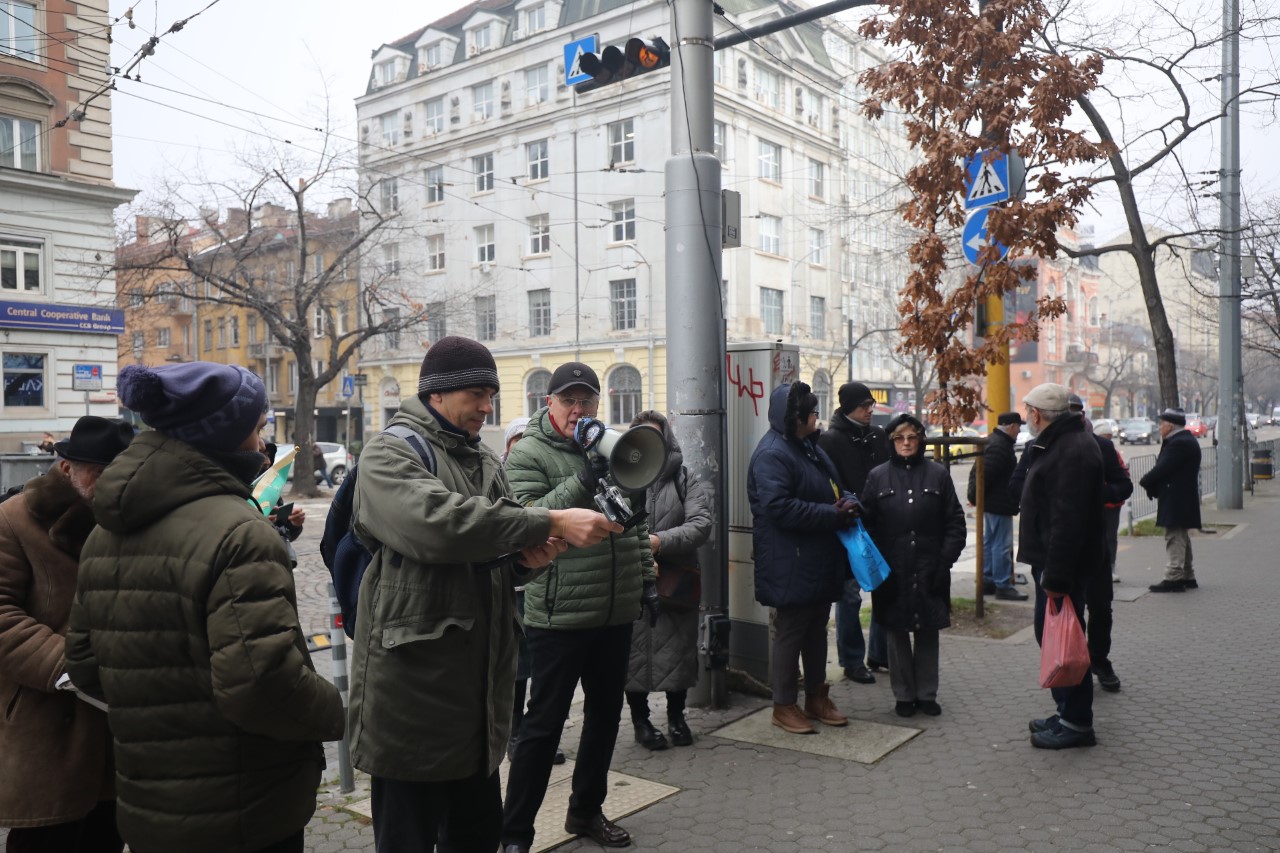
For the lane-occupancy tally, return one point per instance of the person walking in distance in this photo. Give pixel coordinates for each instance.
(185, 623)
(1174, 484)
(56, 786)
(1061, 537)
(664, 656)
(855, 447)
(1117, 489)
(800, 564)
(578, 621)
(434, 667)
(999, 508)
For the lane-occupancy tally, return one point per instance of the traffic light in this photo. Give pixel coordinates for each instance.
(613, 64)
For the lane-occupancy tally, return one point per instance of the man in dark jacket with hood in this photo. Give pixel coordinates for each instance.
(855, 447)
(800, 565)
(185, 622)
(1174, 483)
(1061, 537)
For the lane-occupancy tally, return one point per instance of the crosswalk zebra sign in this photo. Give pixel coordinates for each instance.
(987, 181)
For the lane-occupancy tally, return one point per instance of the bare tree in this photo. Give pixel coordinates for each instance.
(275, 257)
(1122, 367)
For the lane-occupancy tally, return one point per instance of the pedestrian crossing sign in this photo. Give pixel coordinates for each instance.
(573, 51)
(987, 179)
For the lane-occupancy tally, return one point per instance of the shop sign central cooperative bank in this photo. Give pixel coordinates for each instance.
(51, 317)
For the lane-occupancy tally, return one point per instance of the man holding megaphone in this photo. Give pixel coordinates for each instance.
(578, 615)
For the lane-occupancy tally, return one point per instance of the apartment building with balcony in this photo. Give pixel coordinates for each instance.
(542, 211)
(58, 320)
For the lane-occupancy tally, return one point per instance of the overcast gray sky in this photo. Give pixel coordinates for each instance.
(248, 71)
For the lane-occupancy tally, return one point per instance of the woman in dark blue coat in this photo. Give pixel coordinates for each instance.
(800, 565)
(914, 517)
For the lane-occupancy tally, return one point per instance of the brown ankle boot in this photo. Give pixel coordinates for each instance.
(790, 718)
(820, 707)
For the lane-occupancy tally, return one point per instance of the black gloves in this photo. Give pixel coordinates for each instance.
(594, 469)
(847, 511)
(649, 601)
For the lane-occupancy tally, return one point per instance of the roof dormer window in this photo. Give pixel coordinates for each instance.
(430, 56)
(389, 67)
(481, 39)
(535, 19)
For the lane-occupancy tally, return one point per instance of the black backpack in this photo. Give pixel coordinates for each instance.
(343, 554)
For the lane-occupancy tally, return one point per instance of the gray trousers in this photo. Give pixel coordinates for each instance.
(799, 634)
(913, 674)
(1177, 549)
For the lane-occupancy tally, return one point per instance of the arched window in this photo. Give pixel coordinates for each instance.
(1094, 320)
(535, 390)
(624, 394)
(822, 390)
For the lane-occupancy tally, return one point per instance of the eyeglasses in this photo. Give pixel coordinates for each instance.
(580, 402)
(867, 405)
(905, 439)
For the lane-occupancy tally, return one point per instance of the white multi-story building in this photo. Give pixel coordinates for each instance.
(58, 318)
(541, 211)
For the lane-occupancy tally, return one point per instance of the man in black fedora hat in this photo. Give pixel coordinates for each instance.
(55, 767)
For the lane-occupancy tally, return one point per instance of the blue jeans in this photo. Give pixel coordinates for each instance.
(1075, 704)
(997, 549)
(851, 647)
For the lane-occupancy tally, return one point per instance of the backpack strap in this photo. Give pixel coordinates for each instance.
(411, 437)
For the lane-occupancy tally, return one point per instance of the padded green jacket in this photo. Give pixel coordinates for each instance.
(585, 587)
(185, 621)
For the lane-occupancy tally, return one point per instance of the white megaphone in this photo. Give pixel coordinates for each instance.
(635, 456)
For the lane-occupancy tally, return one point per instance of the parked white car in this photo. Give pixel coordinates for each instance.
(336, 458)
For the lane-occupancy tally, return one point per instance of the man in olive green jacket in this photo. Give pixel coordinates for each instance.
(578, 619)
(185, 622)
(436, 627)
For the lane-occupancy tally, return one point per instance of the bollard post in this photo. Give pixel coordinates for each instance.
(338, 651)
(1129, 509)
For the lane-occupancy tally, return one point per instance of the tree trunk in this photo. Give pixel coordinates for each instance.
(304, 427)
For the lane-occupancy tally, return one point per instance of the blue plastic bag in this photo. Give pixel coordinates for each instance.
(869, 567)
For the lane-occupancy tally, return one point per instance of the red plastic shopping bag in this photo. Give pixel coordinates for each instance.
(1064, 654)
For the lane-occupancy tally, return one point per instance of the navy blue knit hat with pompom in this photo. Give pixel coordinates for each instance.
(209, 406)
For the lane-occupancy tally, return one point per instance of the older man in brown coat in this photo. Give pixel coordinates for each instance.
(55, 768)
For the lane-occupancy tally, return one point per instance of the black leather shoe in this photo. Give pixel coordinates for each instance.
(599, 829)
(930, 707)
(860, 674)
(1191, 584)
(559, 756)
(904, 709)
(679, 732)
(1063, 738)
(877, 665)
(648, 736)
(1107, 678)
(1168, 586)
(1047, 724)
(515, 848)
(1010, 594)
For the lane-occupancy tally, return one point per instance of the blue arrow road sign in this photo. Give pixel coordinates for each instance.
(975, 236)
(986, 182)
(348, 386)
(573, 51)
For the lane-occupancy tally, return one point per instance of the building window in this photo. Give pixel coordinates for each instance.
(817, 246)
(822, 390)
(235, 332)
(622, 299)
(718, 132)
(391, 337)
(436, 324)
(537, 84)
(435, 116)
(137, 298)
(768, 87)
(770, 234)
(536, 388)
(622, 142)
(385, 72)
(540, 234)
(483, 167)
(389, 190)
(317, 266)
(293, 377)
(817, 317)
(139, 343)
(435, 184)
(482, 101)
(253, 329)
(771, 310)
(435, 253)
(482, 38)
(431, 55)
(624, 220)
(817, 178)
(1093, 311)
(535, 19)
(391, 260)
(540, 312)
(390, 124)
(770, 161)
(222, 333)
(208, 335)
(486, 318)
(494, 418)
(624, 394)
(317, 321)
(19, 137)
(271, 374)
(344, 318)
(162, 337)
(21, 266)
(18, 29)
(24, 379)
(539, 162)
(486, 250)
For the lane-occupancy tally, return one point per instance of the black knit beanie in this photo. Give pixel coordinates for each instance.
(454, 362)
(853, 395)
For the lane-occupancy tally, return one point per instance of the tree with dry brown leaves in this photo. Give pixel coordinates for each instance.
(971, 81)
